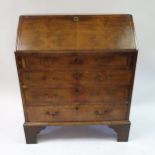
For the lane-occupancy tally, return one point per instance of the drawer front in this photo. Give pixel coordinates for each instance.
(65, 78)
(59, 61)
(76, 113)
(77, 94)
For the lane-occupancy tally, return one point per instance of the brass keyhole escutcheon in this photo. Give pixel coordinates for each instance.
(77, 60)
(77, 89)
(75, 19)
(76, 108)
(77, 75)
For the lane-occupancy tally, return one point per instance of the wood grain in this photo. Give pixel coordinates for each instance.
(73, 113)
(76, 70)
(55, 61)
(90, 32)
(77, 94)
(68, 78)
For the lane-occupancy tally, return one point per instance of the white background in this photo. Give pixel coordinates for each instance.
(78, 140)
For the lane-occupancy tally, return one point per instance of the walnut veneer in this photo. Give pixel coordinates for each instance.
(76, 70)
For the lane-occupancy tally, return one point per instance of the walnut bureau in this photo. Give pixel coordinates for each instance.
(76, 70)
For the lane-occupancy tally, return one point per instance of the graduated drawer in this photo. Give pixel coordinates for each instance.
(73, 113)
(77, 94)
(56, 61)
(66, 77)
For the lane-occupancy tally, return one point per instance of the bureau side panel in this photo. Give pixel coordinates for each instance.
(19, 65)
(134, 61)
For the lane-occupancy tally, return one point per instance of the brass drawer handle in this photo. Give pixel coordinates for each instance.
(77, 61)
(77, 75)
(99, 77)
(52, 113)
(100, 113)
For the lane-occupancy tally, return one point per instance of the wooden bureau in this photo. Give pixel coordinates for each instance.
(76, 70)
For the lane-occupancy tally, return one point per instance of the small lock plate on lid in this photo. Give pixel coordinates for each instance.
(75, 18)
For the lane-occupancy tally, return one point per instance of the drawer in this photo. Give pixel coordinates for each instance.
(59, 61)
(66, 77)
(76, 113)
(77, 94)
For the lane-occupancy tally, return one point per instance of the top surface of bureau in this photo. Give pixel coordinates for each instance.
(75, 32)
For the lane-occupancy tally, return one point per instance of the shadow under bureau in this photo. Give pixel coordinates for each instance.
(76, 70)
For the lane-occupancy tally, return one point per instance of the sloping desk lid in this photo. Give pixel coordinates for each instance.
(78, 32)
